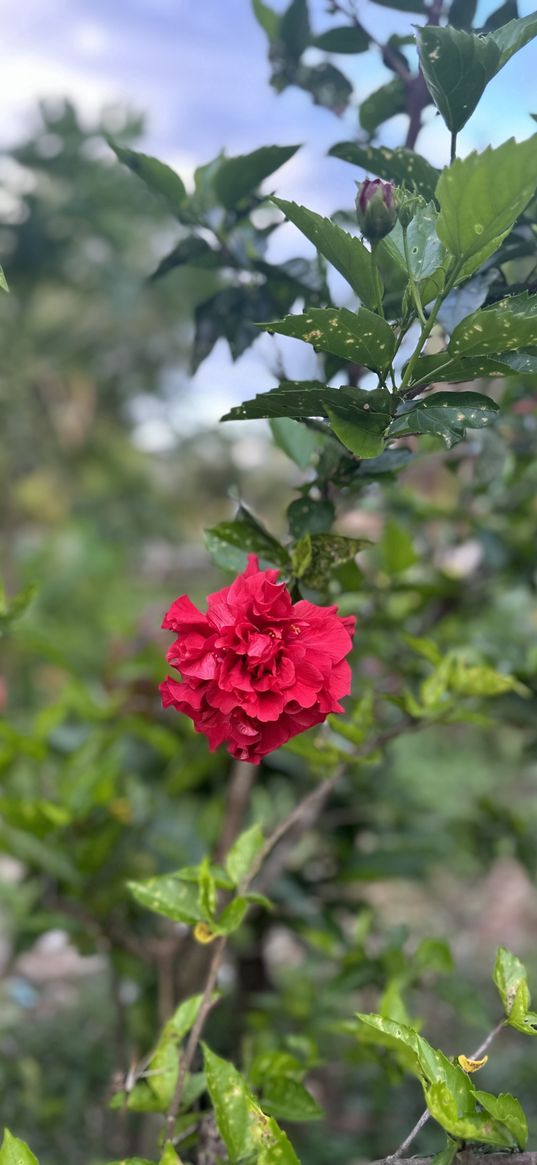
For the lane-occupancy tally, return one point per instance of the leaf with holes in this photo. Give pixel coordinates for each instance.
(446, 415)
(345, 252)
(481, 197)
(397, 165)
(509, 324)
(457, 67)
(360, 337)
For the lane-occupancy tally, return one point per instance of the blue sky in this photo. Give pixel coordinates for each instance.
(198, 70)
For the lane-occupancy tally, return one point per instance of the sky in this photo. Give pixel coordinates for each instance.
(198, 70)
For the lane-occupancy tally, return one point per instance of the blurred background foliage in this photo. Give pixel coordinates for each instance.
(434, 845)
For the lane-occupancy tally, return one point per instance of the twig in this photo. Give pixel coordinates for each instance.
(473, 1157)
(425, 1115)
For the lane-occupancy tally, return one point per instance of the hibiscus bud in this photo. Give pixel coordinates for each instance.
(376, 210)
(257, 668)
(408, 202)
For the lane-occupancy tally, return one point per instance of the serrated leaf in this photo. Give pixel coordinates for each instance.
(158, 177)
(360, 337)
(230, 543)
(398, 165)
(382, 104)
(297, 441)
(445, 415)
(301, 398)
(446, 56)
(240, 176)
(243, 853)
(512, 37)
(509, 324)
(288, 1100)
(168, 895)
(345, 252)
(508, 1111)
(348, 38)
(469, 1126)
(15, 1152)
(481, 197)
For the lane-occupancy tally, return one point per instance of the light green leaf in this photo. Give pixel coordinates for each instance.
(481, 197)
(382, 104)
(169, 1156)
(167, 895)
(15, 1152)
(397, 548)
(513, 36)
(509, 324)
(465, 1126)
(345, 39)
(426, 252)
(231, 1101)
(510, 977)
(231, 916)
(240, 176)
(508, 1111)
(445, 415)
(266, 17)
(243, 853)
(298, 442)
(480, 680)
(160, 179)
(360, 337)
(397, 165)
(433, 954)
(392, 1004)
(457, 67)
(288, 1100)
(361, 427)
(345, 252)
(206, 891)
(3, 281)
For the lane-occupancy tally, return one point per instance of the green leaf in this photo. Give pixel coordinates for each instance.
(266, 17)
(441, 366)
(362, 427)
(160, 179)
(294, 28)
(308, 516)
(298, 442)
(240, 176)
(230, 543)
(361, 337)
(480, 680)
(3, 281)
(416, 1054)
(466, 1126)
(402, 5)
(382, 104)
(11, 610)
(398, 165)
(509, 1112)
(506, 11)
(192, 251)
(15, 1152)
(348, 38)
(397, 548)
(316, 556)
(445, 415)
(461, 13)
(457, 67)
(481, 197)
(511, 323)
(288, 1100)
(243, 853)
(272, 1144)
(513, 36)
(425, 251)
(510, 977)
(231, 1101)
(206, 891)
(169, 1156)
(168, 895)
(433, 954)
(231, 916)
(345, 252)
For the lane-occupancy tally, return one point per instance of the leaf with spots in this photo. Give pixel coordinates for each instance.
(397, 165)
(309, 516)
(361, 424)
(316, 556)
(446, 415)
(360, 337)
(345, 252)
(425, 251)
(15, 1152)
(457, 67)
(243, 1126)
(443, 366)
(509, 324)
(230, 543)
(292, 398)
(481, 197)
(169, 895)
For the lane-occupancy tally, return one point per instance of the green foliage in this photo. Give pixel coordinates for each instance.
(15, 1152)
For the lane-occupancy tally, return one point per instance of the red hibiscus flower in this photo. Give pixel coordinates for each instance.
(257, 668)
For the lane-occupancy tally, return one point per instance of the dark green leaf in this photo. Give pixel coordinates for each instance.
(402, 5)
(230, 543)
(509, 324)
(288, 1100)
(382, 104)
(298, 442)
(294, 28)
(462, 12)
(362, 429)
(15, 1152)
(360, 337)
(457, 67)
(316, 556)
(193, 251)
(442, 366)
(397, 165)
(506, 12)
(328, 86)
(513, 36)
(160, 179)
(308, 516)
(345, 39)
(445, 415)
(481, 197)
(346, 253)
(465, 299)
(237, 177)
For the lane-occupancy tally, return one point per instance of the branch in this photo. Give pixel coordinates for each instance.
(425, 1115)
(472, 1157)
